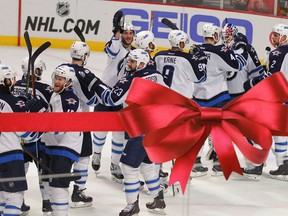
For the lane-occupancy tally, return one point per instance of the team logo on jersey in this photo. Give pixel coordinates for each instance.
(231, 75)
(71, 101)
(123, 80)
(11, 184)
(151, 62)
(20, 103)
(224, 48)
(49, 89)
(276, 53)
(63, 9)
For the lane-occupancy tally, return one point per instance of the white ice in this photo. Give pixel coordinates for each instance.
(206, 196)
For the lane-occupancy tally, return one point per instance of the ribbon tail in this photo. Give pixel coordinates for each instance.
(225, 152)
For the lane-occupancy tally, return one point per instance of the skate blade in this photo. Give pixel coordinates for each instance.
(252, 177)
(157, 211)
(24, 213)
(280, 177)
(119, 181)
(47, 213)
(80, 204)
(198, 174)
(216, 174)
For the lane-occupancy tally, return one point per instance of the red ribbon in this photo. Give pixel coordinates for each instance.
(176, 127)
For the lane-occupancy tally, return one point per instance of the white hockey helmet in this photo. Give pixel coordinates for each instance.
(139, 55)
(144, 39)
(128, 26)
(7, 72)
(39, 63)
(282, 30)
(175, 37)
(227, 34)
(64, 71)
(209, 30)
(80, 50)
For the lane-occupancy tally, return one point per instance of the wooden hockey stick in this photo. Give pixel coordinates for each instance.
(168, 23)
(79, 33)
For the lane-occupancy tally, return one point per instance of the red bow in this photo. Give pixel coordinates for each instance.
(176, 127)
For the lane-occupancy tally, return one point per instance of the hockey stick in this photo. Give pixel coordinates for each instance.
(151, 21)
(33, 58)
(79, 33)
(168, 23)
(29, 48)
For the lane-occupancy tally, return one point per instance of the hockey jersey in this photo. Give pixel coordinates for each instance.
(180, 70)
(215, 89)
(278, 60)
(67, 144)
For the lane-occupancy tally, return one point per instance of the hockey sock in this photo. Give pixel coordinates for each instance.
(151, 177)
(2, 202)
(82, 167)
(13, 203)
(99, 139)
(117, 146)
(131, 183)
(59, 200)
(281, 147)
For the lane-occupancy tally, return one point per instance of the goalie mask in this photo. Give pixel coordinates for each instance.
(66, 72)
(39, 67)
(211, 31)
(80, 51)
(227, 34)
(137, 56)
(145, 40)
(176, 37)
(7, 76)
(279, 35)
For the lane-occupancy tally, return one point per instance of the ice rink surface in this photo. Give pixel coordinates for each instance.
(205, 196)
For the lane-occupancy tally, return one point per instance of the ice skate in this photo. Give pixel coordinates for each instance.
(198, 170)
(96, 161)
(281, 173)
(131, 209)
(46, 208)
(253, 172)
(24, 209)
(79, 199)
(216, 169)
(158, 205)
(116, 173)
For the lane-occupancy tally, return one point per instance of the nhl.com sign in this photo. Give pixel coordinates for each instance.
(56, 24)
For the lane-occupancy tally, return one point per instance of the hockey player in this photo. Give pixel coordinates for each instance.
(278, 62)
(214, 91)
(44, 91)
(241, 81)
(62, 147)
(80, 53)
(116, 49)
(134, 157)
(11, 153)
(145, 40)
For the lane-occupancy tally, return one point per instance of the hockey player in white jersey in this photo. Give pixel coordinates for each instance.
(80, 53)
(180, 69)
(43, 91)
(11, 153)
(134, 157)
(116, 49)
(214, 91)
(62, 147)
(278, 61)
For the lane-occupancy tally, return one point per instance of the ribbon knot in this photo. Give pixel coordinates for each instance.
(211, 115)
(176, 127)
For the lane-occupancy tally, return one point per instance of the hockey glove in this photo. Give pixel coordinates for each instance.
(25, 96)
(118, 22)
(36, 105)
(196, 51)
(240, 41)
(89, 79)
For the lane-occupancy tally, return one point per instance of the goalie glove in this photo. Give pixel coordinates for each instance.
(118, 22)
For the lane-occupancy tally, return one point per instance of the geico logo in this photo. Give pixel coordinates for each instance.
(49, 24)
(190, 23)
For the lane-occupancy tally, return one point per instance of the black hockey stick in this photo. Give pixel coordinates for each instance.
(168, 23)
(29, 48)
(33, 58)
(79, 33)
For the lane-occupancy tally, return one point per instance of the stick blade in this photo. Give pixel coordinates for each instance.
(39, 51)
(168, 23)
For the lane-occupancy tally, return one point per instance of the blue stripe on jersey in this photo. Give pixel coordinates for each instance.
(110, 52)
(63, 153)
(11, 157)
(211, 103)
(256, 70)
(202, 79)
(92, 101)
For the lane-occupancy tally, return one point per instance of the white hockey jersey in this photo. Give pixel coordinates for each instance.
(67, 144)
(180, 70)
